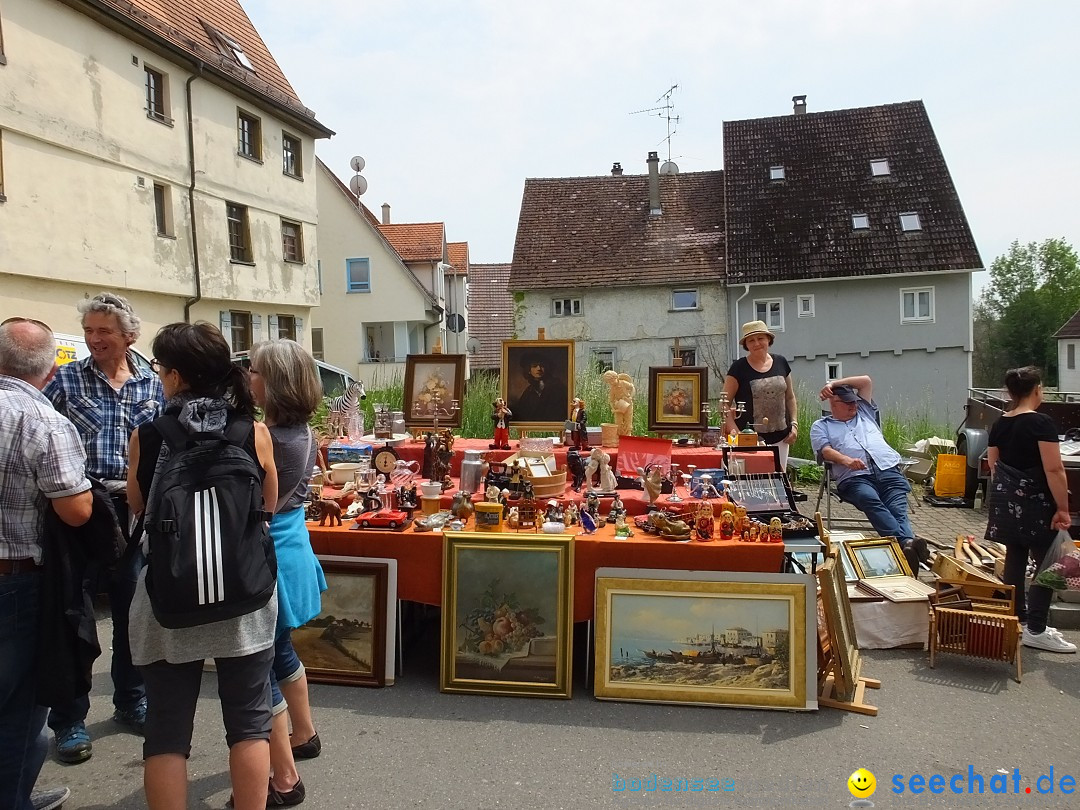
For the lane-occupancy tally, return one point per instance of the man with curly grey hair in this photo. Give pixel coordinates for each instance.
(107, 396)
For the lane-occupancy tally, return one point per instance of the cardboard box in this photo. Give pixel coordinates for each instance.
(344, 451)
(919, 471)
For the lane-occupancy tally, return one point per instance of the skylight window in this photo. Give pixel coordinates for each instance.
(909, 221)
(776, 172)
(860, 222)
(880, 167)
(228, 46)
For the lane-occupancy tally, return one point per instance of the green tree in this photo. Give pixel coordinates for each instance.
(1034, 289)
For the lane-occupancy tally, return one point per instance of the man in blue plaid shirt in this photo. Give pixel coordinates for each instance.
(107, 396)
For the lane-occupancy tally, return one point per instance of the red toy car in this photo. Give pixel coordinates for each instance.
(383, 519)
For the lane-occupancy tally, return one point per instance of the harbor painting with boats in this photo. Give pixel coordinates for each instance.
(722, 641)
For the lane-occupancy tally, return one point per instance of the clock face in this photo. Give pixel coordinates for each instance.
(385, 460)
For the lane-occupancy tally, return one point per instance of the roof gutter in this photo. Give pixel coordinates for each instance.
(735, 321)
(189, 303)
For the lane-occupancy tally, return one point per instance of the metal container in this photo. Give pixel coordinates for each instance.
(472, 470)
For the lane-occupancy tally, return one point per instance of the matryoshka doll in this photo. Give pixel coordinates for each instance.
(776, 530)
(727, 525)
(740, 518)
(704, 524)
(754, 531)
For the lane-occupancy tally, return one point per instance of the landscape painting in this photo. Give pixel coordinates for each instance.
(722, 643)
(346, 642)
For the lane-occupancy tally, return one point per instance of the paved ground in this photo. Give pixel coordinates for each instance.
(409, 746)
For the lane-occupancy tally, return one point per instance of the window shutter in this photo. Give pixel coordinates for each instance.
(300, 331)
(225, 319)
(273, 323)
(256, 328)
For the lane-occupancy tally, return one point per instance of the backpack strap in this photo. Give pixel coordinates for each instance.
(239, 429)
(172, 433)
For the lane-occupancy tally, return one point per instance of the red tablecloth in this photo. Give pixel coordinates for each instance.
(419, 556)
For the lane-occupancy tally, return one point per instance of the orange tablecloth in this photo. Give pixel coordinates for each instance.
(419, 556)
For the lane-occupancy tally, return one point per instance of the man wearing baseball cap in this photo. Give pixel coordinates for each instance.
(865, 468)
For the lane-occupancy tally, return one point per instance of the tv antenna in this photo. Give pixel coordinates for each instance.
(664, 111)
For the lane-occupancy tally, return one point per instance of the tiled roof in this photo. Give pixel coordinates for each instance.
(801, 226)
(417, 241)
(179, 25)
(491, 312)
(457, 254)
(596, 231)
(1071, 329)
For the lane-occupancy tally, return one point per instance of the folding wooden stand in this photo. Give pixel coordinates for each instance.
(840, 681)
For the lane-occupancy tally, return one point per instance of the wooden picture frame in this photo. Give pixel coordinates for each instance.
(434, 380)
(677, 395)
(527, 363)
(847, 663)
(704, 637)
(346, 643)
(507, 614)
(877, 557)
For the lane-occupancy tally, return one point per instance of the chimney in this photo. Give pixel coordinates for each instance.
(654, 184)
(386, 213)
(616, 169)
(799, 103)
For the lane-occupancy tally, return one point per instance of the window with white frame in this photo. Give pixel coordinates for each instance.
(834, 370)
(776, 172)
(684, 299)
(248, 135)
(292, 241)
(771, 311)
(917, 305)
(909, 221)
(880, 167)
(286, 327)
(603, 359)
(157, 95)
(564, 307)
(292, 152)
(358, 275)
(860, 222)
(806, 306)
(241, 331)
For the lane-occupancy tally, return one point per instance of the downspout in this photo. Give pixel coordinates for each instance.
(190, 302)
(735, 322)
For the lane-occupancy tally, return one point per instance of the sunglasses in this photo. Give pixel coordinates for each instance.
(158, 366)
(34, 321)
(113, 301)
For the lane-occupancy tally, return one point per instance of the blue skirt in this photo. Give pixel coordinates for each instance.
(300, 580)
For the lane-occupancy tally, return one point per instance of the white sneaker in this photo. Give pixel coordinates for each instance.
(1050, 640)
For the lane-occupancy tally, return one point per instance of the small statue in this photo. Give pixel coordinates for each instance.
(579, 435)
(571, 514)
(513, 517)
(703, 525)
(371, 500)
(727, 525)
(447, 483)
(588, 523)
(329, 510)
(652, 481)
(592, 506)
(492, 494)
(504, 499)
(599, 463)
(618, 509)
(776, 530)
(500, 416)
(622, 530)
(575, 466)
(622, 400)
(462, 507)
(553, 512)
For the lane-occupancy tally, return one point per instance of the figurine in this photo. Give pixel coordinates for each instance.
(577, 423)
(500, 416)
(462, 506)
(328, 509)
(776, 530)
(622, 400)
(652, 481)
(575, 466)
(554, 512)
(588, 523)
(727, 525)
(622, 530)
(599, 462)
(618, 509)
(704, 523)
(512, 517)
(669, 527)
(592, 506)
(504, 499)
(371, 500)
(492, 494)
(431, 449)
(740, 518)
(571, 514)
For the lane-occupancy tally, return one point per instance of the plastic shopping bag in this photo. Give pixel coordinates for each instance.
(1060, 569)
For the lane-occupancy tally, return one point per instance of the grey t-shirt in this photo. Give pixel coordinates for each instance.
(294, 456)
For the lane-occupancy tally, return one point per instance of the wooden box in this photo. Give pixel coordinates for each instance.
(956, 570)
(547, 480)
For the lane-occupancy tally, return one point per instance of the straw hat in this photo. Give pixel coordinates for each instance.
(755, 328)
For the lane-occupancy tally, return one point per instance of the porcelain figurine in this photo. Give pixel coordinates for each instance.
(621, 397)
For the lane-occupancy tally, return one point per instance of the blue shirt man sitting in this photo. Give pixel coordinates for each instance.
(865, 468)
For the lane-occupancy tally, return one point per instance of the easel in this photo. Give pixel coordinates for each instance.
(840, 681)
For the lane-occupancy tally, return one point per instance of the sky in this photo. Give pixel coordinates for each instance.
(454, 104)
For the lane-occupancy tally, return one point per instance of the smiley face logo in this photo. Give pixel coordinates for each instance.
(862, 784)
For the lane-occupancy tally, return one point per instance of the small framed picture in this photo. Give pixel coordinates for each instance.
(434, 387)
(879, 557)
(677, 395)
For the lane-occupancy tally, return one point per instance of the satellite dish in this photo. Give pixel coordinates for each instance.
(358, 184)
(472, 345)
(357, 164)
(669, 167)
(455, 323)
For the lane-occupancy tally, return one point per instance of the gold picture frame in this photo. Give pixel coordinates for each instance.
(844, 646)
(877, 557)
(507, 614)
(658, 638)
(537, 382)
(677, 395)
(434, 383)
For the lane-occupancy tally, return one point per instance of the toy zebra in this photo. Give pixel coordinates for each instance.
(344, 408)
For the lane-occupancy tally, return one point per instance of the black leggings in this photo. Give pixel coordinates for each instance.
(1037, 606)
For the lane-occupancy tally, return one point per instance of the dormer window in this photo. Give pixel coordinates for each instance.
(860, 222)
(776, 172)
(880, 167)
(909, 221)
(228, 46)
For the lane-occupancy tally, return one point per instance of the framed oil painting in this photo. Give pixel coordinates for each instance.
(711, 638)
(677, 395)
(537, 382)
(434, 384)
(346, 643)
(847, 663)
(507, 623)
(877, 557)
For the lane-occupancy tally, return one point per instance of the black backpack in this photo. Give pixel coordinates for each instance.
(210, 555)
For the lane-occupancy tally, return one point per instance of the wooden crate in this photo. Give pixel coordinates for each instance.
(956, 570)
(552, 485)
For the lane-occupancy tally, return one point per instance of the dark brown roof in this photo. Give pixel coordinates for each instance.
(801, 226)
(595, 231)
(491, 312)
(417, 241)
(179, 25)
(1071, 329)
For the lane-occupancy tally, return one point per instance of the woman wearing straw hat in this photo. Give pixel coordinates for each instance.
(762, 381)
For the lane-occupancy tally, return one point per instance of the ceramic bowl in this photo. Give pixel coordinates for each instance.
(343, 472)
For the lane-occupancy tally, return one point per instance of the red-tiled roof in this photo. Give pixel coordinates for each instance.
(597, 231)
(1071, 329)
(179, 25)
(801, 226)
(457, 254)
(417, 241)
(491, 312)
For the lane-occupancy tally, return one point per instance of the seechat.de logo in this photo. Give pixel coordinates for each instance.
(862, 785)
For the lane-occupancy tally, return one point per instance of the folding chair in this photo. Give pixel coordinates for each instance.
(827, 491)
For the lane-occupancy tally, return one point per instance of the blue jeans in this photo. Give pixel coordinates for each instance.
(128, 687)
(286, 665)
(23, 743)
(882, 496)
